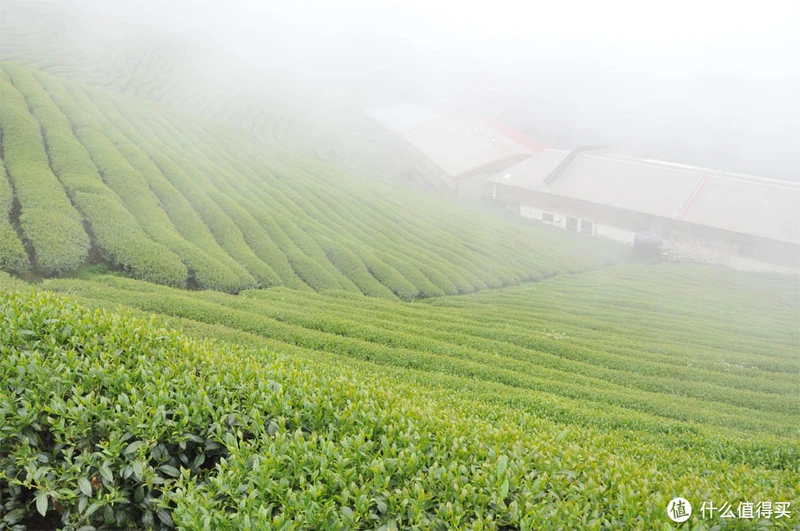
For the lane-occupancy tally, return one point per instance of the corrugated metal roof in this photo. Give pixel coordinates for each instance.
(517, 136)
(456, 145)
(767, 208)
(404, 116)
(628, 184)
(460, 146)
(531, 172)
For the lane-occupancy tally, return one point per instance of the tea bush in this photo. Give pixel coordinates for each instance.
(184, 203)
(111, 421)
(13, 256)
(44, 204)
(116, 232)
(567, 349)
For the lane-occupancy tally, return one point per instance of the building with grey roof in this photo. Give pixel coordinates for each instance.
(590, 190)
(617, 197)
(465, 149)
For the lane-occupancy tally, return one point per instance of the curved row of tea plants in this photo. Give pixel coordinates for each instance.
(185, 203)
(116, 232)
(654, 349)
(45, 36)
(13, 256)
(44, 204)
(112, 421)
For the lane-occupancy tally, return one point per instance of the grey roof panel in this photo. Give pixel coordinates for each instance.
(459, 146)
(608, 180)
(767, 208)
(629, 184)
(531, 172)
(751, 207)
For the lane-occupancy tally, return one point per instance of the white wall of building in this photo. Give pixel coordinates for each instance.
(678, 250)
(560, 220)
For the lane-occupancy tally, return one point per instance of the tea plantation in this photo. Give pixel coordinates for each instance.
(46, 36)
(220, 330)
(194, 204)
(580, 402)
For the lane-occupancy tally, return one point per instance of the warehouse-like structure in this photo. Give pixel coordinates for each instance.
(591, 190)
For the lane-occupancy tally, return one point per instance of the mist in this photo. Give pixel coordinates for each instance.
(707, 83)
(415, 264)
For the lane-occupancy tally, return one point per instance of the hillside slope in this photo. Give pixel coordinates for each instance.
(579, 402)
(659, 350)
(186, 203)
(173, 70)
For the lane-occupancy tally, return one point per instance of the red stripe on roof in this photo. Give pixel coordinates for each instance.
(697, 193)
(517, 136)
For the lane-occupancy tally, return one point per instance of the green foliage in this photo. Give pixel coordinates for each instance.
(351, 266)
(116, 232)
(13, 256)
(191, 239)
(9, 283)
(130, 187)
(112, 421)
(48, 220)
(181, 203)
(98, 413)
(584, 402)
(555, 349)
(390, 278)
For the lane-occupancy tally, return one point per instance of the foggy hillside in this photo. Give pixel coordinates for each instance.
(351, 266)
(710, 84)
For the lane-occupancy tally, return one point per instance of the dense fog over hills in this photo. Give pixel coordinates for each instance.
(709, 83)
(294, 265)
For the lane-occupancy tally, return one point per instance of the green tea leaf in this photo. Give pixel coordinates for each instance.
(137, 467)
(504, 490)
(502, 463)
(165, 517)
(41, 501)
(133, 447)
(105, 471)
(170, 470)
(85, 486)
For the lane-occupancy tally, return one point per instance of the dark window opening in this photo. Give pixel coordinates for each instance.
(572, 223)
(587, 226)
(547, 217)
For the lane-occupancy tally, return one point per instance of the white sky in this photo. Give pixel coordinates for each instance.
(708, 75)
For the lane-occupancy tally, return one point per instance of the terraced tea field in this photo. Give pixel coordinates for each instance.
(583, 401)
(46, 36)
(234, 319)
(662, 350)
(186, 203)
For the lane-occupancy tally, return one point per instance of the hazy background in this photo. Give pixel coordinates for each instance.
(705, 82)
